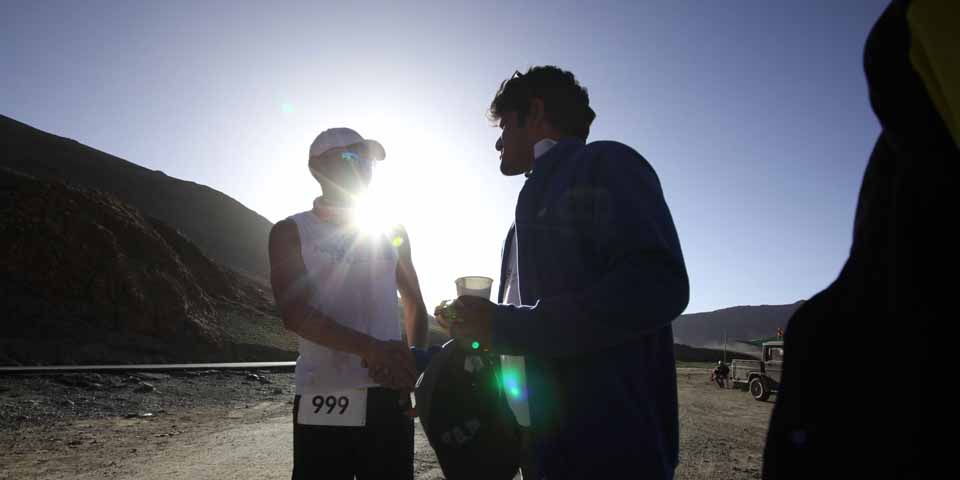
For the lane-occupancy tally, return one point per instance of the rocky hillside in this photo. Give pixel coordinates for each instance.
(224, 229)
(707, 329)
(87, 278)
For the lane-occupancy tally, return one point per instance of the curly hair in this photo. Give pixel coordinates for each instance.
(566, 104)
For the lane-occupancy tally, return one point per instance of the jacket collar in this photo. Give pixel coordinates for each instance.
(546, 162)
(543, 146)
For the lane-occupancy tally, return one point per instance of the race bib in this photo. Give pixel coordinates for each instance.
(339, 409)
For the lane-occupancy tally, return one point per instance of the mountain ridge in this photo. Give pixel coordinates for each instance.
(743, 322)
(225, 229)
(87, 278)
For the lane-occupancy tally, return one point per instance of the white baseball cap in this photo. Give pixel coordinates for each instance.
(345, 137)
(341, 137)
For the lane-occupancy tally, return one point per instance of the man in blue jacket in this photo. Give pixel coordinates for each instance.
(597, 275)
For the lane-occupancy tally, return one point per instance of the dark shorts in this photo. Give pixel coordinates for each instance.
(383, 449)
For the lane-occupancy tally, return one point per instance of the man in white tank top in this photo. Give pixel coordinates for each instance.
(336, 287)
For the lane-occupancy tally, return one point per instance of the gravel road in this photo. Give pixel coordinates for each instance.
(219, 424)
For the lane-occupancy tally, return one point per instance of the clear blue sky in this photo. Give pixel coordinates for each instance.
(754, 113)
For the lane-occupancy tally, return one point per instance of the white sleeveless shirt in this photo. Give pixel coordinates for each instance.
(353, 277)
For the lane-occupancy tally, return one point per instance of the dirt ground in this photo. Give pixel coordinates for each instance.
(216, 425)
(722, 431)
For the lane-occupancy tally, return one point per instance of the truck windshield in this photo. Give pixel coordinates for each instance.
(776, 354)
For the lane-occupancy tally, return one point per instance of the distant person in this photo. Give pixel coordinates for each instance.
(833, 416)
(721, 373)
(336, 287)
(596, 278)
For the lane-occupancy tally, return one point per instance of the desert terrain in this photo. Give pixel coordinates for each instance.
(236, 424)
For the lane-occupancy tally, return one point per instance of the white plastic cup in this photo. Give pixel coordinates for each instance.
(474, 287)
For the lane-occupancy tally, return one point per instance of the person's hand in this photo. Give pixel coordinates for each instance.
(445, 312)
(472, 322)
(391, 364)
(406, 405)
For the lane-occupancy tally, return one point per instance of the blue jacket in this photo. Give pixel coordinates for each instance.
(601, 278)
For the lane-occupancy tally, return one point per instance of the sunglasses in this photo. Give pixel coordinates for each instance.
(358, 155)
(351, 157)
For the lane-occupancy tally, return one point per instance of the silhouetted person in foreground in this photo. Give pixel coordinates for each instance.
(336, 287)
(896, 290)
(598, 276)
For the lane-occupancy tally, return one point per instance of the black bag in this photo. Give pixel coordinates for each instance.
(466, 417)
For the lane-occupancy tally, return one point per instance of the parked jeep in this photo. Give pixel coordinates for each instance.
(761, 377)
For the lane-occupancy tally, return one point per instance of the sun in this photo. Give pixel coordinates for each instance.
(372, 214)
(388, 201)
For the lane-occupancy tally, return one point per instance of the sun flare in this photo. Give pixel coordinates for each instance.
(372, 214)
